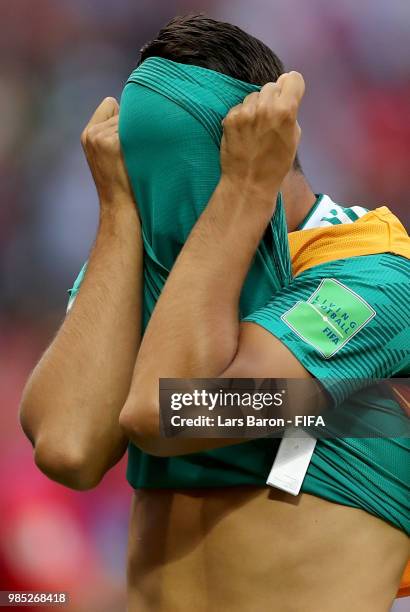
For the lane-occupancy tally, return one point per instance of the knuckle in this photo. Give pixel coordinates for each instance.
(91, 133)
(103, 141)
(240, 116)
(270, 87)
(228, 117)
(297, 75)
(231, 117)
(248, 115)
(250, 97)
(244, 115)
(108, 101)
(286, 114)
(264, 112)
(97, 137)
(232, 112)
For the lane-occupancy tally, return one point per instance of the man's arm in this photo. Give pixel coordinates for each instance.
(194, 330)
(73, 398)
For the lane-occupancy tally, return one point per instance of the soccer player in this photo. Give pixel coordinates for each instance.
(206, 533)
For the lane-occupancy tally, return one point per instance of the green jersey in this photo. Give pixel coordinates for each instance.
(362, 303)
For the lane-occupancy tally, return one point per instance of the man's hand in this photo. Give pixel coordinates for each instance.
(261, 135)
(101, 146)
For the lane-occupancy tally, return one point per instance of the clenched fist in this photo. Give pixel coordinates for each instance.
(261, 135)
(102, 149)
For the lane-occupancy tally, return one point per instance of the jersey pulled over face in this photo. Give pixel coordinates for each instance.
(170, 129)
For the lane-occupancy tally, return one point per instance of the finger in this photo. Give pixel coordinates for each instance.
(268, 92)
(107, 133)
(112, 121)
(97, 128)
(280, 80)
(251, 99)
(108, 108)
(231, 113)
(292, 87)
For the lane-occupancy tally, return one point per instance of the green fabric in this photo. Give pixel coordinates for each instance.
(170, 130)
(76, 287)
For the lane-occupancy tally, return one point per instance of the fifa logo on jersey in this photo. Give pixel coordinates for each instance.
(330, 317)
(333, 337)
(335, 314)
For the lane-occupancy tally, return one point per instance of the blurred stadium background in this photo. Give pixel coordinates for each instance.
(58, 60)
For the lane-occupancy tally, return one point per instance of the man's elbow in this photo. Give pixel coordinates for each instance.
(68, 458)
(69, 465)
(139, 420)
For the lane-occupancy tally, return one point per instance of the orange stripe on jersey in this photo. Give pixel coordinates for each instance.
(378, 231)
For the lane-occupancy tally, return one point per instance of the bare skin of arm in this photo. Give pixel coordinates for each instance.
(195, 330)
(73, 398)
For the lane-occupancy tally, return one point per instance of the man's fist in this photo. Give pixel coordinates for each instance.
(261, 135)
(101, 146)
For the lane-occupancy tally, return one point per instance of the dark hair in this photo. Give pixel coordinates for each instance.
(223, 47)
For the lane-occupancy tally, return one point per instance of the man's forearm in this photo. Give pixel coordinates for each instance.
(193, 331)
(73, 399)
(198, 309)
